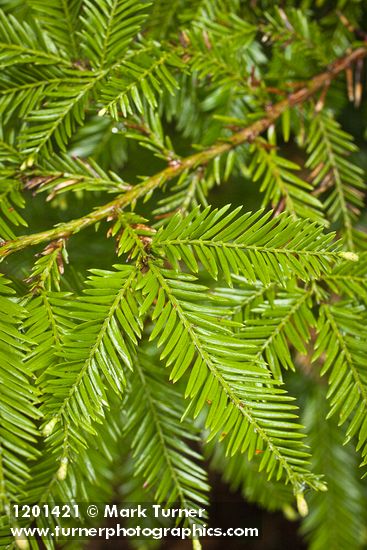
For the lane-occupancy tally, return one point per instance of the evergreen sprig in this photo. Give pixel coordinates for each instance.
(343, 341)
(171, 468)
(125, 127)
(18, 400)
(328, 147)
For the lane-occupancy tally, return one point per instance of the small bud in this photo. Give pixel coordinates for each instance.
(321, 486)
(27, 163)
(196, 544)
(302, 505)
(289, 512)
(63, 470)
(352, 256)
(22, 543)
(49, 428)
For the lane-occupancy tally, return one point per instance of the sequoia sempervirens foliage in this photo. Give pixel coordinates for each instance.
(184, 257)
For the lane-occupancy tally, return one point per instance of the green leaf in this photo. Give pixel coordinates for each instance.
(11, 199)
(59, 18)
(243, 475)
(282, 188)
(331, 523)
(253, 245)
(52, 125)
(22, 43)
(279, 324)
(95, 353)
(161, 443)
(237, 393)
(18, 399)
(109, 27)
(342, 337)
(138, 81)
(328, 147)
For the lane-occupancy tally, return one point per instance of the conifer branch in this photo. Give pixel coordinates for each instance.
(247, 134)
(111, 384)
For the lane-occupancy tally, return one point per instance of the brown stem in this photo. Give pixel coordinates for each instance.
(64, 230)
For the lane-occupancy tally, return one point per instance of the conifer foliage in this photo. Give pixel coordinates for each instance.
(184, 258)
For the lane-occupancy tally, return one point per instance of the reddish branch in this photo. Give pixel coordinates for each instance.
(64, 230)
